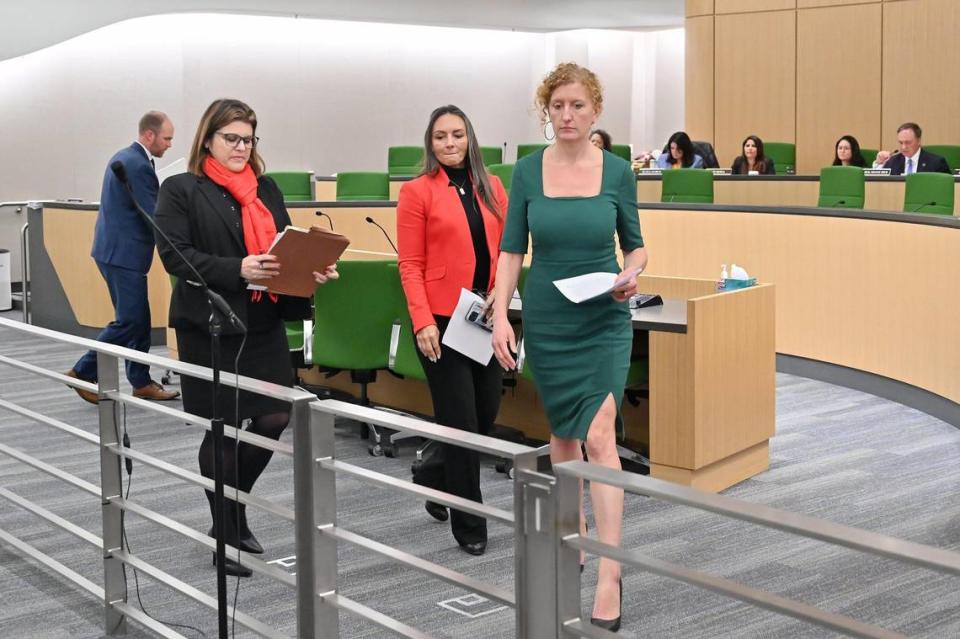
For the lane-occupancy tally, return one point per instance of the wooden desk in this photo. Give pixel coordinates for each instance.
(326, 187)
(881, 193)
(712, 364)
(67, 292)
(868, 291)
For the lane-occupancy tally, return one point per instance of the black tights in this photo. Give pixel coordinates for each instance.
(246, 463)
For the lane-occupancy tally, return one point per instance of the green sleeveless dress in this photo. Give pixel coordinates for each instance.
(579, 353)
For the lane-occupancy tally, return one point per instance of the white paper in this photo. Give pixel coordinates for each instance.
(174, 168)
(592, 285)
(466, 337)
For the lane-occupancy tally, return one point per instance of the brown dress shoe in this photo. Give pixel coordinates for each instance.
(155, 392)
(85, 395)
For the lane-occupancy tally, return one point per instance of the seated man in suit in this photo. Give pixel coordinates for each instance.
(123, 250)
(911, 158)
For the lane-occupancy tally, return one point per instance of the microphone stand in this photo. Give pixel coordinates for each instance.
(219, 310)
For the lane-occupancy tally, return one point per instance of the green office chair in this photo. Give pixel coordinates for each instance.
(404, 160)
(929, 193)
(296, 186)
(363, 185)
(621, 150)
(527, 149)
(300, 341)
(504, 172)
(491, 155)
(841, 187)
(353, 316)
(783, 154)
(687, 185)
(869, 156)
(950, 152)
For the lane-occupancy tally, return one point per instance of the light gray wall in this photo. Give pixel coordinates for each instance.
(330, 96)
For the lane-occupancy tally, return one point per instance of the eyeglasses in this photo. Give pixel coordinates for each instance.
(234, 140)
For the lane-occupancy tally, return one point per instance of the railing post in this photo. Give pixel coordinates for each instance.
(111, 486)
(536, 539)
(567, 500)
(315, 502)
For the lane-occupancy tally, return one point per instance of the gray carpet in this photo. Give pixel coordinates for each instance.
(839, 455)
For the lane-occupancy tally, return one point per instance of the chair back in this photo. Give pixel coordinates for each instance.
(527, 149)
(491, 155)
(783, 154)
(353, 316)
(363, 185)
(621, 150)
(504, 172)
(841, 187)
(949, 152)
(929, 193)
(705, 150)
(869, 156)
(687, 185)
(404, 160)
(296, 186)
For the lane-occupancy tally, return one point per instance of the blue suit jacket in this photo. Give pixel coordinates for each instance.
(121, 237)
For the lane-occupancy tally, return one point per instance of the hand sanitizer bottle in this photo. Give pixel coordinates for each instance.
(723, 272)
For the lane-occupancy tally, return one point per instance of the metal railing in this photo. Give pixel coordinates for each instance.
(545, 515)
(570, 543)
(314, 515)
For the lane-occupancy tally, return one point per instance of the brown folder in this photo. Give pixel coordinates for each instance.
(300, 253)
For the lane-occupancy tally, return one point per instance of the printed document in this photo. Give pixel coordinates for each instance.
(590, 286)
(465, 335)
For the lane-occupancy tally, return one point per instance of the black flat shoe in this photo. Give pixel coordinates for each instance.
(437, 511)
(476, 548)
(233, 568)
(613, 625)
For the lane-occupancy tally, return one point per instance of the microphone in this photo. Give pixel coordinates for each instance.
(917, 209)
(839, 202)
(329, 219)
(370, 220)
(120, 171)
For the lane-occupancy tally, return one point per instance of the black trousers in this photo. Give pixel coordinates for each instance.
(466, 395)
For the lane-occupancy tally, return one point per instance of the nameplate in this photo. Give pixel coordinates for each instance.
(722, 171)
(650, 172)
(876, 171)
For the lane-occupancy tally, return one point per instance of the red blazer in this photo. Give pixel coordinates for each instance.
(436, 256)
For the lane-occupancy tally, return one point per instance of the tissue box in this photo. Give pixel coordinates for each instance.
(731, 284)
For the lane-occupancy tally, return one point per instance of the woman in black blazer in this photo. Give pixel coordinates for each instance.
(752, 159)
(223, 215)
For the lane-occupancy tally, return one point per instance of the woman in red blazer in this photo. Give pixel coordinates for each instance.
(449, 223)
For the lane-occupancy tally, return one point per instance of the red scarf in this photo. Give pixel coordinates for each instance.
(259, 229)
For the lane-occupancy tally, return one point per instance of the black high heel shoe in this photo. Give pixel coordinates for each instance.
(613, 625)
(245, 539)
(232, 567)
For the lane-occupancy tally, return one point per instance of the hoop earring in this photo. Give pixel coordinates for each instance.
(553, 136)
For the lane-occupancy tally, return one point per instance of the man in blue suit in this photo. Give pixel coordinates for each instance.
(123, 249)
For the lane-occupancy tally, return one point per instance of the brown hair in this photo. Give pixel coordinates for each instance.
(219, 114)
(152, 121)
(567, 73)
(913, 126)
(474, 160)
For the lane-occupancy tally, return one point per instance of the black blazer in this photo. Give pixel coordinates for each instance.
(740, 166)
(203, 221)
(926, 163)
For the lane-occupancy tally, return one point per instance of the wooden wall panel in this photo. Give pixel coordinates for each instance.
(838, 81)
(698, 78)
(755, 79)
(807, 4)
(747, 6)
(920, 59)
(698, 8)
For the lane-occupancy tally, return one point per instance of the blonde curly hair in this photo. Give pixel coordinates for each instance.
(567, 73)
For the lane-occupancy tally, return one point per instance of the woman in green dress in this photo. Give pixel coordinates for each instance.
(571, 198)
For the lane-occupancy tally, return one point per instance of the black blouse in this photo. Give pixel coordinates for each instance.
(460, 180)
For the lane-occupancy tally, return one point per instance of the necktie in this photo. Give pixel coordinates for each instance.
(909, 166)
(153, 164)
